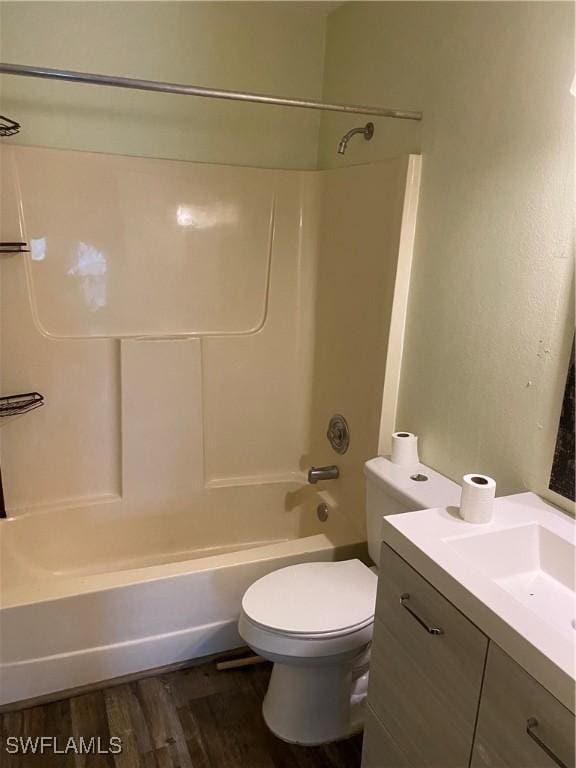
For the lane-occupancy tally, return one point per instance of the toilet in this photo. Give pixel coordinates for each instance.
(314, 621)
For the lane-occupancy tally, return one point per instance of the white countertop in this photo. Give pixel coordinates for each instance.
(517, 586)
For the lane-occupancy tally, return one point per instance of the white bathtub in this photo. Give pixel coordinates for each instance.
(117, 596)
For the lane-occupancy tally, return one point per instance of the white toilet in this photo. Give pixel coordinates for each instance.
(315, 620)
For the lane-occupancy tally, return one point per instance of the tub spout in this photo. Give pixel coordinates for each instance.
(323, 473)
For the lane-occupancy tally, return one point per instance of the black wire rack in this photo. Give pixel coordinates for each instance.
(8, 127)
(13, 247)
(12, 405)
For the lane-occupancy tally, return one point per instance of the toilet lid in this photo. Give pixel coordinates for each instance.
(313, 598)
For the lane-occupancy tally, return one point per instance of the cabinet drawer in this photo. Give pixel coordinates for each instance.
(424, 687)
(378, 749)
(510, 699)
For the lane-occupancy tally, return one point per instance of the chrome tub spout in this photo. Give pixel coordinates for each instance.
(323, 473)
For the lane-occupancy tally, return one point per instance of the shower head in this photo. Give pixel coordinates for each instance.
(8, 127)
(367, 131)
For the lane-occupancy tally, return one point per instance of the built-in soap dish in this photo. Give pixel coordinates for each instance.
(12, 405)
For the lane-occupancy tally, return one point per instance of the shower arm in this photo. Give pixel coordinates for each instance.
(115, 81)
(366, 130)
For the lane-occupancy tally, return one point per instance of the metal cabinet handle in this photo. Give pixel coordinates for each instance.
(531, 724)
(432, 630)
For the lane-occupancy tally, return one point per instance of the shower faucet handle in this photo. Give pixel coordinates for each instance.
(323, 473)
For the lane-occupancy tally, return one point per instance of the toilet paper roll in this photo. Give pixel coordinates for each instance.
(477, 498)
(404, 449)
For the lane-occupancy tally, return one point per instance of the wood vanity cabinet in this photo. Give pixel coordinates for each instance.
(520, 725)
(442, 695)
(425, 672)
(378, 748)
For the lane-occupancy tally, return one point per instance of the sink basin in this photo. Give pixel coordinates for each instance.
(513, 577)
(530, 562)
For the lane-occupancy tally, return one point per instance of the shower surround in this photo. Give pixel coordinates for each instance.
(192, 327)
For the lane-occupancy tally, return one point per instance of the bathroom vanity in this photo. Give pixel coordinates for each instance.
(473, 654)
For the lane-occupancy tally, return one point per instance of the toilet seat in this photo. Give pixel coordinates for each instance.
(313, 600)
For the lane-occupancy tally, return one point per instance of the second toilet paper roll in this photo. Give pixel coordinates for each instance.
(477, 498)
(404, 449)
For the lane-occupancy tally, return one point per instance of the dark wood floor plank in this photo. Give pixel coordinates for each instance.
(194, 738)
(190, 718)
(293, 756)
(346, 753)
(33, 722)
(162, 759)
(198, 682)
(233, 730)
(259, 677)
(150, 698)
(126, 721)
(58, 723)
(50, 720)
(151, 760)
(34, 725)
(162, 720)
(89, 719)
(12, 725)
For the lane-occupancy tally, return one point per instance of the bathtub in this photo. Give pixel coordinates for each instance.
(119, 595)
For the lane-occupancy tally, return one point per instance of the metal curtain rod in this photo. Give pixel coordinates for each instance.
(196, 90)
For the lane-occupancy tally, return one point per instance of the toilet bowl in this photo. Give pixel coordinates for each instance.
(314, 621)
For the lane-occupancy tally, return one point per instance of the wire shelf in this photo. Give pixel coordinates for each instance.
(8, 127)
(11, 247)
(12, 405)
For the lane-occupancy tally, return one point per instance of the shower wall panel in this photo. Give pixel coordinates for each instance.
(361, 226)
(159, 423)
(210, 430)
(69, 449)
(257, 388)
(138, 247)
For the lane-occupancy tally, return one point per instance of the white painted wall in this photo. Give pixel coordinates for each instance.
(490, 314)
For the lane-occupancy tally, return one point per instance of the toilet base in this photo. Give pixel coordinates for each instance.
(315, 705)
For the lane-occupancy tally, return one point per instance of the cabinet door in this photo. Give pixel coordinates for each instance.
(521, 725)
(378, 749)
(424, 686)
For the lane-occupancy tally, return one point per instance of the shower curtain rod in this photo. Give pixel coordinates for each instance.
(197, 90)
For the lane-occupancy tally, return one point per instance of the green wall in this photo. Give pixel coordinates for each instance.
(490, 312)
(490, 316)
(266, 47)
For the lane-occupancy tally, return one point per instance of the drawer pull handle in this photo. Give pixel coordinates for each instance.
(531, 725)
(426, 624)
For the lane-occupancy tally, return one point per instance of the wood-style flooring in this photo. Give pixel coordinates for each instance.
(196, 717)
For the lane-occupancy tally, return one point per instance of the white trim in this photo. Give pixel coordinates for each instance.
(399, 305)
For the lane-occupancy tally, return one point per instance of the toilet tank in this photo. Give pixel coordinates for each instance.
(391, 489)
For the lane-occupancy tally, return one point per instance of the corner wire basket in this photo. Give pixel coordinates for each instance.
(13, 405)
(13, 247)
(8, 127)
